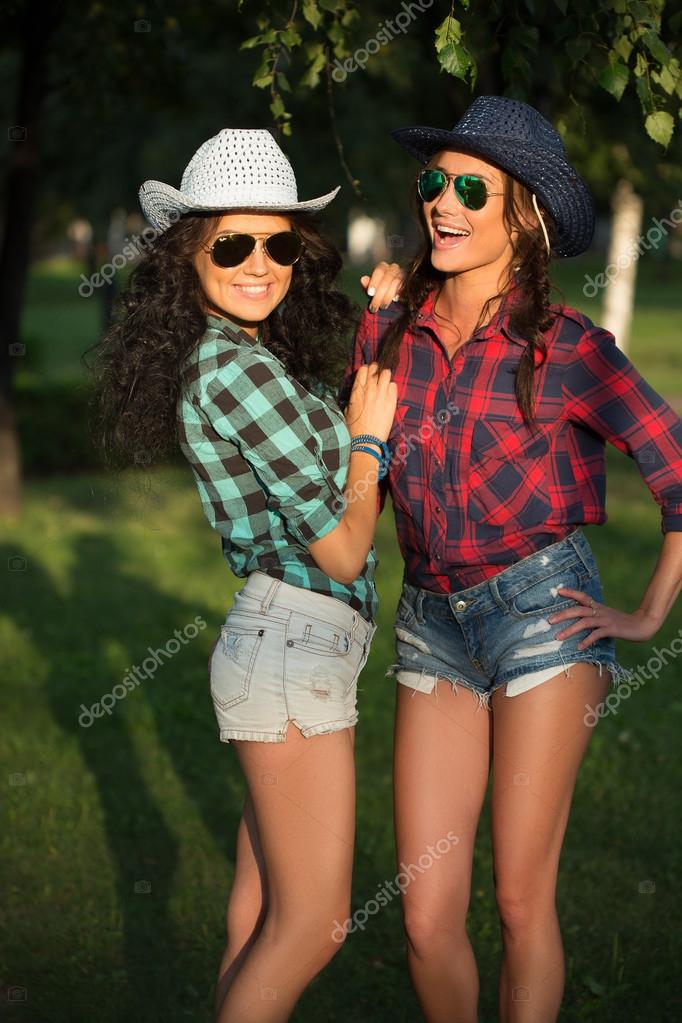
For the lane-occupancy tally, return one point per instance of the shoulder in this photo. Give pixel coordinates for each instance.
(373, 325)
(572, 328)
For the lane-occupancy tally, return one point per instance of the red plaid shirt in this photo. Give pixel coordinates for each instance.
(473, 488)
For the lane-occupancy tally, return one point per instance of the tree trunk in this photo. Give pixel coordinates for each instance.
(621, 270)
(38, 24)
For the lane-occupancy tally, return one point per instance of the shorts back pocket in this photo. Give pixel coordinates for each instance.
(232, 664)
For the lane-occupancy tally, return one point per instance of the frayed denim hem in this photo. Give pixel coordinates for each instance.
(425, 677)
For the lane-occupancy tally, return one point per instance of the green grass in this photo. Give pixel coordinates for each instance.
(113, 566)
(149, 794)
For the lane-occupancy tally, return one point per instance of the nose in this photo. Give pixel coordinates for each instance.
(257, 264)
(448, 201)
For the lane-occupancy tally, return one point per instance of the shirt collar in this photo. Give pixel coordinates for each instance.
(237, 333)
(499, 322)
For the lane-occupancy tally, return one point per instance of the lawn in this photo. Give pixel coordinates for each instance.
(118, 844)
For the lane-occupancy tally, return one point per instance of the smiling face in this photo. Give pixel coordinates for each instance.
(247, 293)
(464, 240)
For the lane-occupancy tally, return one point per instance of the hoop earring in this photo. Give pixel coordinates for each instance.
(542, 224)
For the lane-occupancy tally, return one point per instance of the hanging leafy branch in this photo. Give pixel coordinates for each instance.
(614, 45)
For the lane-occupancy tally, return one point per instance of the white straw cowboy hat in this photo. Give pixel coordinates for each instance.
(239, 168)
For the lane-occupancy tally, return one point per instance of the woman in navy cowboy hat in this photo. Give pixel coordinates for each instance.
(504, 644)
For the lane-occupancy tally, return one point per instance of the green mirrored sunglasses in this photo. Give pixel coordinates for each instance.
(471, 190)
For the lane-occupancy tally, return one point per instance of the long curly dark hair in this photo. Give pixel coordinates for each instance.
(137, 366)
(531, 313)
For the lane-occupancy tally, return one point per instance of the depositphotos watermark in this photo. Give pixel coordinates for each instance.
(633, 251)
(131, 250)
(399, 455)
(387, 31)
(147, 669)
(636, 679)
(372, 906)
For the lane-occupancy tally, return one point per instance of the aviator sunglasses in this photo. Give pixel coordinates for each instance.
(284, 247)
(469, 189)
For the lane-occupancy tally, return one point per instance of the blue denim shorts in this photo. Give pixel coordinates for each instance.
(496, 633)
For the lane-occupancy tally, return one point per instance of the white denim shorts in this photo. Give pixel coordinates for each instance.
(287, 654)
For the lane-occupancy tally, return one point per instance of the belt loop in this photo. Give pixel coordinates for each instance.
(269, 596)
(578, 542)
(418, 606)
(497, 597)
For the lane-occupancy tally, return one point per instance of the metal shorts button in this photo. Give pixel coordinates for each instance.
(461, 605)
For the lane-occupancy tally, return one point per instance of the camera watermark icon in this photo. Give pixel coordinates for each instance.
(388, 30)
(17, 779)
(17, 133)
(268, 994)
(521, 779)
(17, 994)
(16, 563)
(520, 994)
(268, 779)
(142, 25)
(142, 887)
(647, 887)
(395, 241)
(16, 348)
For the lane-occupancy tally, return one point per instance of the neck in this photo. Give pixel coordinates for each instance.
(248, 327)
(463, 295)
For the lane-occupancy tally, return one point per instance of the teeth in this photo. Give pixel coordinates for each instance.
(253, 289)
(452, 230)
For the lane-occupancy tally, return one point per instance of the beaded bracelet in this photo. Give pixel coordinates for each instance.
(358, 444)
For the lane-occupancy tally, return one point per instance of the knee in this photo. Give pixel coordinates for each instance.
(316, 932)
(428, 927)
(520, 907)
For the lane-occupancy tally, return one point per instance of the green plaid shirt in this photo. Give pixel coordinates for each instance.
(270, 461)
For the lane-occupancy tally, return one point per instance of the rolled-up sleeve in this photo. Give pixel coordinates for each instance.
(605, 392)
(253, 403)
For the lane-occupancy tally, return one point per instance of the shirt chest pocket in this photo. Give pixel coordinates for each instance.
(508, 474)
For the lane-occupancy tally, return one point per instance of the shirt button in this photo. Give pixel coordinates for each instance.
(461, 605)
(442, 415)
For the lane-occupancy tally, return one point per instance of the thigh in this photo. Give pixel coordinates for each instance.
(539, 740)
(303, 796)
(441, 764)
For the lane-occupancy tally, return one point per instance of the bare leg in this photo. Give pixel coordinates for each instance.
(539, 739)
(442, 753)
(303, 797)
(247, 902)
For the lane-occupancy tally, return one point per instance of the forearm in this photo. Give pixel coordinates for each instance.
(666, 581)
(343, 552)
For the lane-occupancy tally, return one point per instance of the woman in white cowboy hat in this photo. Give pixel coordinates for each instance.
(503, 640)
(233, 332)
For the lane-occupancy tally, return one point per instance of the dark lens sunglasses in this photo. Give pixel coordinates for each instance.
(469, 189)
(284, 248)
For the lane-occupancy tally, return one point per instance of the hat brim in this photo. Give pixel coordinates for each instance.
(559, 188)
(163, 205)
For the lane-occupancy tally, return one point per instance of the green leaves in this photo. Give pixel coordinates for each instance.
(614, 79)
(660, 127)
(453, 56)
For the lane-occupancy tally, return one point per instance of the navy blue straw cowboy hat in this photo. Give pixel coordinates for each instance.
(519, 140)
